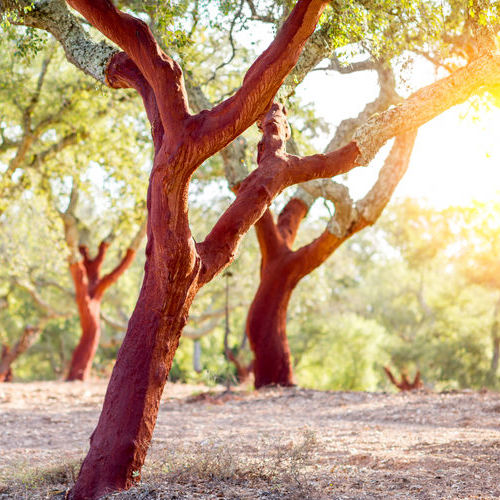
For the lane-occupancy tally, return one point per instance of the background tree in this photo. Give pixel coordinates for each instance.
(89, 284)
(45, 131)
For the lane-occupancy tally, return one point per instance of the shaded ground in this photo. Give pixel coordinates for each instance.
(275, 443)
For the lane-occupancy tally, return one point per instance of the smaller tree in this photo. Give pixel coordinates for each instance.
(90, 285)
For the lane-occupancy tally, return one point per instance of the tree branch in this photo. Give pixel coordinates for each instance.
(113, 323)
(267, 235)
(57, 147)
(290, 218)
(229, 119)
(122, 72)
(350, 218)
(276, 171)
(39, 301)
(134, 36)
(426, 104)
(106, 281)
(53, 16)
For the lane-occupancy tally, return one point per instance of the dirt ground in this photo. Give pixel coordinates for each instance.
(358, 445)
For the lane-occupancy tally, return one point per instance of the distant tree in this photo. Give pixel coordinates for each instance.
(282, 268)
(90, 285)
(44, 130)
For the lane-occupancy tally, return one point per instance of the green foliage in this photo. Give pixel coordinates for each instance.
(347, 354)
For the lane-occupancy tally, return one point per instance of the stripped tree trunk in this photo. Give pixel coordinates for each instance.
(90, 287)
(282, 268)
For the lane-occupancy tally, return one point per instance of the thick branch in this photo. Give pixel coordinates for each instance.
(350, 219)
(290, 218)
(229, 119)
(372, 205)
(101, 253)
(276, 171)
(268, 237)
(106, 281)
(387, 97)
(135, 38)
(426, 104)
(123, 73)
(53, 16)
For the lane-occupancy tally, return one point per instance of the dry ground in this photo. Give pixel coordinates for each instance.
(275, 443)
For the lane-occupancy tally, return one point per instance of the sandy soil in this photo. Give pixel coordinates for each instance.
(367, 446)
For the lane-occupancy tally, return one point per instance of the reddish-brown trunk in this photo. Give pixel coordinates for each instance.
(243, 369)
(81, 362)
(5, 367)
(266, 323)
(10, 354)
(89, 289)
(119, 444)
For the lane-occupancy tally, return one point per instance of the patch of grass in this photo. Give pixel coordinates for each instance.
(276, 468)
(39, 483)
(218, 470)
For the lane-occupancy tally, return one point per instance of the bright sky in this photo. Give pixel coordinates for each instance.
(456, 157)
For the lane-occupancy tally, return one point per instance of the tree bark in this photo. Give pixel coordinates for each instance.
(266, 323)
(89, 310)
(119, 444)
(282, 268)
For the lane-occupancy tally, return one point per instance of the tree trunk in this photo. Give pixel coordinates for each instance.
(266, 325)
(119, 444)
(5, 365)
(81, 362)
(123, 434)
